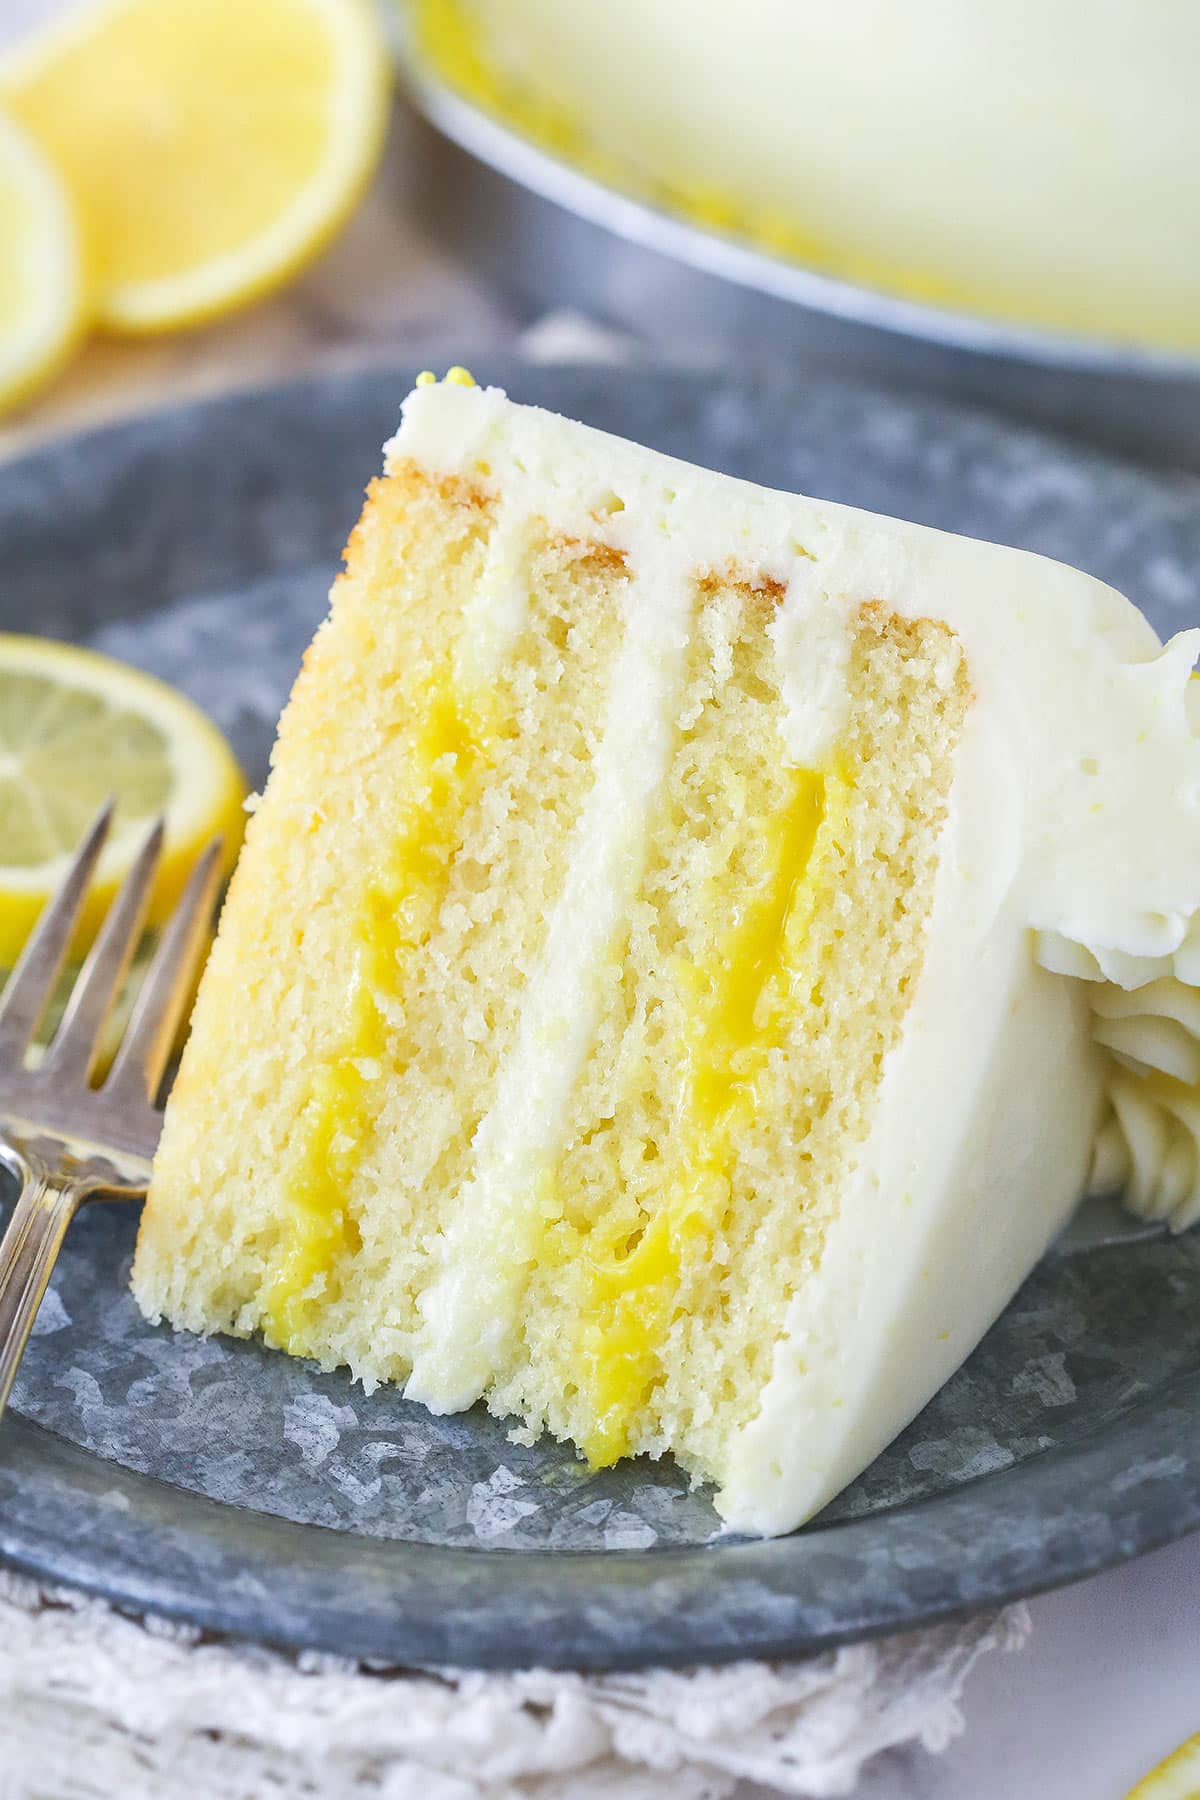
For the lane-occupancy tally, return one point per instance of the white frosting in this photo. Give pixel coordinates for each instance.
(1036, 159)
(1146, 1016)
(813, 646)
(499, 602)
(470, 1310)
(1070, 867)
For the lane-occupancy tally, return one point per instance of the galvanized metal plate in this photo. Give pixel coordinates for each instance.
(220, 1483)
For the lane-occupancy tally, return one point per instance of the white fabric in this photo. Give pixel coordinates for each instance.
(94, 1705)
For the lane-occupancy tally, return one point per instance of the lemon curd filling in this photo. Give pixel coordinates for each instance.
(737, 1011)
(449, 757)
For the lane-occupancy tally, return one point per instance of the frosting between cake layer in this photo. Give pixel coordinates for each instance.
(469, 1323)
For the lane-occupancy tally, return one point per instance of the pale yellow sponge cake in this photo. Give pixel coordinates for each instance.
(694, 946)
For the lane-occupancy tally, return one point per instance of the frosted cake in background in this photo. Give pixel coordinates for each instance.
(1033, 161)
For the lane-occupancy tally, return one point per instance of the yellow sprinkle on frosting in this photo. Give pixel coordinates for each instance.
(456, 377)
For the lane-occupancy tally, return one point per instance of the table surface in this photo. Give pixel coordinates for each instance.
(1108, 1684)
(1110, 1680)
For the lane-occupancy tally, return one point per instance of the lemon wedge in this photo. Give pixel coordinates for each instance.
(41, 280)
(75, 728)
(1178, 1778)
(211, 146)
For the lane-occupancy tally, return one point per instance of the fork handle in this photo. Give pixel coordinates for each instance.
(28, 1253)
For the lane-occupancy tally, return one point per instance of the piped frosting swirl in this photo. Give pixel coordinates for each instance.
(1146, 1020)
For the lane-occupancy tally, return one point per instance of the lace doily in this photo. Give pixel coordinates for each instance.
(95, 1704)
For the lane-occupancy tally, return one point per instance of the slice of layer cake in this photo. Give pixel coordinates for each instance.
(689, 949)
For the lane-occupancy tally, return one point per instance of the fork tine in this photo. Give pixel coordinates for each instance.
(165, 991)
(76, 1041)
(29, 987)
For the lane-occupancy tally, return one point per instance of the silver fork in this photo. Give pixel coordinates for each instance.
(67, 1140)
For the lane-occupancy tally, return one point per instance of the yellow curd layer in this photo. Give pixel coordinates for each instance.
(737, 1016)
(449, 755)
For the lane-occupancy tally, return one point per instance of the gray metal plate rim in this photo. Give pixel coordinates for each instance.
(248, 1575)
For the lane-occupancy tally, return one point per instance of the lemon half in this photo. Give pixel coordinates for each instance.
(211, 146)
(41, 274)
(75, 729)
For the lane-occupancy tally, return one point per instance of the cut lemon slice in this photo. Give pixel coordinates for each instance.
(41, 282)
(76, 728)
(211, 146)
(1178, 1778)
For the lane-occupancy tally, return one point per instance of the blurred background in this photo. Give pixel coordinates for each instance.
(381, 285)
(997, 204)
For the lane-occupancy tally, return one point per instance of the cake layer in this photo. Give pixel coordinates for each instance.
(401, 874)
(687, 947)
(1028, 160)
(706, 1152)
